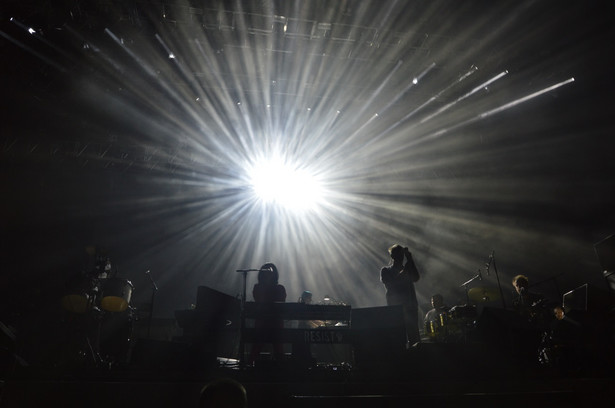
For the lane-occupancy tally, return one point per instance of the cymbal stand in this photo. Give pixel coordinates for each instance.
(465, 284)
(151, 306)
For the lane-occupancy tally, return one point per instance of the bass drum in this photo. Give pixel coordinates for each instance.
(115, 333)
(464, 312)
(116, 294)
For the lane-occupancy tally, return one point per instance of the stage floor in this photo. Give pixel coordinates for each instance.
(431, 375)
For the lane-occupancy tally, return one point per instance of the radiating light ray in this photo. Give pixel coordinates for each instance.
(66, 56)
(420, 76)
(492, 111)
(179, 98)
(524, 99)
(465, 96)
(378, 90)
(33, 52)
(131, 53)
(412, 83)
(432, 99)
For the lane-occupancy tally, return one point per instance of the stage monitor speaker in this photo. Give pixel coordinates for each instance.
(216, 309)
(377, 317)
(379, 335)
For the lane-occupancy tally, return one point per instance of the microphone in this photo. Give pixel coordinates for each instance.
(488, 264)
(149, 275)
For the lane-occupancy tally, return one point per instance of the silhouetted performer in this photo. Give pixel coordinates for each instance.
(268, 290)
(438, 308)
(398, 279)
(526, 337)
(305, 298)
(563, 344)
(529, 304)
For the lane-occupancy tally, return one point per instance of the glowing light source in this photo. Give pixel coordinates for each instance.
(277, 182)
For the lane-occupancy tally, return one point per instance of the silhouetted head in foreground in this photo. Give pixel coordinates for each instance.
(223, 393)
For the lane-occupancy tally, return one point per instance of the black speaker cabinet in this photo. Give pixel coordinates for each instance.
(379, 335)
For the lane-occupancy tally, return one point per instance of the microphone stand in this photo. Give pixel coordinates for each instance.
(151, 306)
(497, 276)
(242, 316)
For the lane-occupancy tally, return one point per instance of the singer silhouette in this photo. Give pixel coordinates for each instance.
(398, 279)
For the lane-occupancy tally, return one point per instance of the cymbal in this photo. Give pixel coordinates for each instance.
(483, 294)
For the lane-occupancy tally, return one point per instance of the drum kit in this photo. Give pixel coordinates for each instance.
(99, 310)
(452, 325)
(455, 324)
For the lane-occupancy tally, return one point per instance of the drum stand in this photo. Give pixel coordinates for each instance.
(99, 360)
(113, 337)
(82, 334)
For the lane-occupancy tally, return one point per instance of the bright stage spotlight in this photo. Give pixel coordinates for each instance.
(275, 181)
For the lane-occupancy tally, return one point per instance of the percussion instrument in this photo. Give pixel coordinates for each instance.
(80, 294)
(116, 294)
(483, 294)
